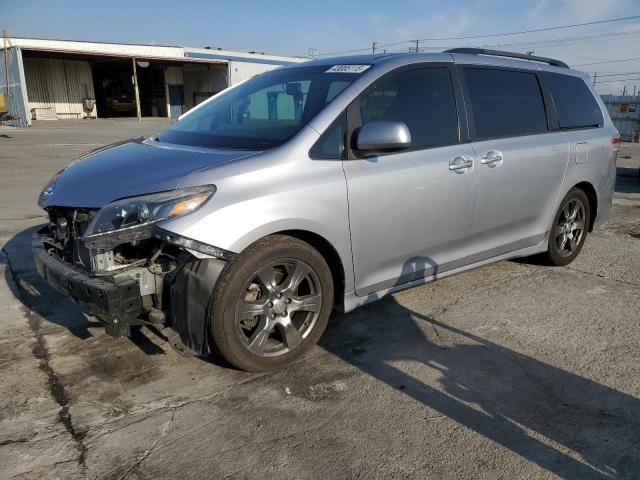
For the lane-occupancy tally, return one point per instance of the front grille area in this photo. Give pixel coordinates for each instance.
(67, 225)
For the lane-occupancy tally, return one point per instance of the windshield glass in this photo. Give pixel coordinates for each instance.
(263, 112)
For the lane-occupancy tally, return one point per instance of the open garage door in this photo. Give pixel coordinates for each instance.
(115, 92)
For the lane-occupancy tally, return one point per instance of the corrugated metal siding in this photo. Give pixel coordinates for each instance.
(97, 47)
(173, 75)
(625, 114)
(17, 99)
(58, 84)
(627, 127)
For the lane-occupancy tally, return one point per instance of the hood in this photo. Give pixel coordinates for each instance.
(130, 169)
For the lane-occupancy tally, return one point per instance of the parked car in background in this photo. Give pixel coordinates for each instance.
(324, 185)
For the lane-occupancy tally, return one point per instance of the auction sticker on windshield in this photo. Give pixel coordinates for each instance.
(348, 69)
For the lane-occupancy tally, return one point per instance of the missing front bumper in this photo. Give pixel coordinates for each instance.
(115, 301)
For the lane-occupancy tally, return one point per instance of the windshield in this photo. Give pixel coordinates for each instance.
(263, 112)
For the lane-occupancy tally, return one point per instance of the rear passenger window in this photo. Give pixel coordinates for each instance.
(574, 101)
(505, 103)
(423, 99)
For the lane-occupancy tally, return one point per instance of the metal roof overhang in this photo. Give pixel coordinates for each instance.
(69, 54)
(234, 58)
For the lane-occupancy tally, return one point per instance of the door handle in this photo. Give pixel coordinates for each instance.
(493, 158)
(461, 164)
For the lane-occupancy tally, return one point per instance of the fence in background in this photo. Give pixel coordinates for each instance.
(625, 113)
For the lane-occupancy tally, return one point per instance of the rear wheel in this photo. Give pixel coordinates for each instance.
(569, 231)
(272, 304)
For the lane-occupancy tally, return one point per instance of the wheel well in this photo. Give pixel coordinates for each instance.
(592, 196)
(330, 255)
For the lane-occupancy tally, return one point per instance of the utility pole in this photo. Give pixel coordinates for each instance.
(595, 76)
(373, 47)
(135, 89)
(5, 52)
(417, 48)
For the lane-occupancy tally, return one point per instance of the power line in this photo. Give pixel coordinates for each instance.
(617, 81)
(567, 41)
(554, 42)
(616, 74)
(635, 59)
(488, 35)
(547, 29)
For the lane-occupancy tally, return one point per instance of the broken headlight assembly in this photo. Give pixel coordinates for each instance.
(133, 219)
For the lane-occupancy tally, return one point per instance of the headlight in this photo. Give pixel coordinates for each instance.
(133, 218)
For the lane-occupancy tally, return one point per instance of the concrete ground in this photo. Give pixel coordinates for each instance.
(510, 371)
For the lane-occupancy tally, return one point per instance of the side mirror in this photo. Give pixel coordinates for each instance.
(383, 137)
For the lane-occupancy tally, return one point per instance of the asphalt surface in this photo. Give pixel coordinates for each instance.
(514, 370)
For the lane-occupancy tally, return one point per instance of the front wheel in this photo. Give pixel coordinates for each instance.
(272, 304)
(569, 230)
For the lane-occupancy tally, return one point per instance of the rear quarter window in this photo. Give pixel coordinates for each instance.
(575, 104)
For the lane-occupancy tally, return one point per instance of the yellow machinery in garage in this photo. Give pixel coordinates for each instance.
(4, 109)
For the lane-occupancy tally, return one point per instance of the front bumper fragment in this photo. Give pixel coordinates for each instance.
(115, 301)
(193, 245)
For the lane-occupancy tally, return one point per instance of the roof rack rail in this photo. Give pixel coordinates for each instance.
(499, 53)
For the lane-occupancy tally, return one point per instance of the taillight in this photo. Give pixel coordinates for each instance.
(615, 143)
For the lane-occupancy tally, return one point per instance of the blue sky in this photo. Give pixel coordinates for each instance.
(292, 27)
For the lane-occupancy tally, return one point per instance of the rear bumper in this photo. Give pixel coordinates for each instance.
(605, 199)
(116, 302)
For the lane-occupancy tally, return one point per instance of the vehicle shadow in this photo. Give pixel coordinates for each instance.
(47, 303)
(566, 424)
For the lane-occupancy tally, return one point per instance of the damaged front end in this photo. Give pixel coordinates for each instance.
(127, 271)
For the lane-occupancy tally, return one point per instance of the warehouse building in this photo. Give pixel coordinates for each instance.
(65, 79)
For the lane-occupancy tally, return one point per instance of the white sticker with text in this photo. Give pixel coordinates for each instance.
(348, 68)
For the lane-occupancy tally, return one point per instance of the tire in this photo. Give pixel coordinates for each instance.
(272, 304)
(569, 229)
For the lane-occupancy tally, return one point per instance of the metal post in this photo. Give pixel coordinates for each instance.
(595, 76)
(5, 52)
(373, 47)
(135, 89)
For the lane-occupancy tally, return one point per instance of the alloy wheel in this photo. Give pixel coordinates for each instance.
(570, 228)
(278, 307)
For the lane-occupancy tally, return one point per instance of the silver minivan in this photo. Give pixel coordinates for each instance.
(328, 184)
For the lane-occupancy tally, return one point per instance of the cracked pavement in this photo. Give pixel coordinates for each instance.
(511, 370)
